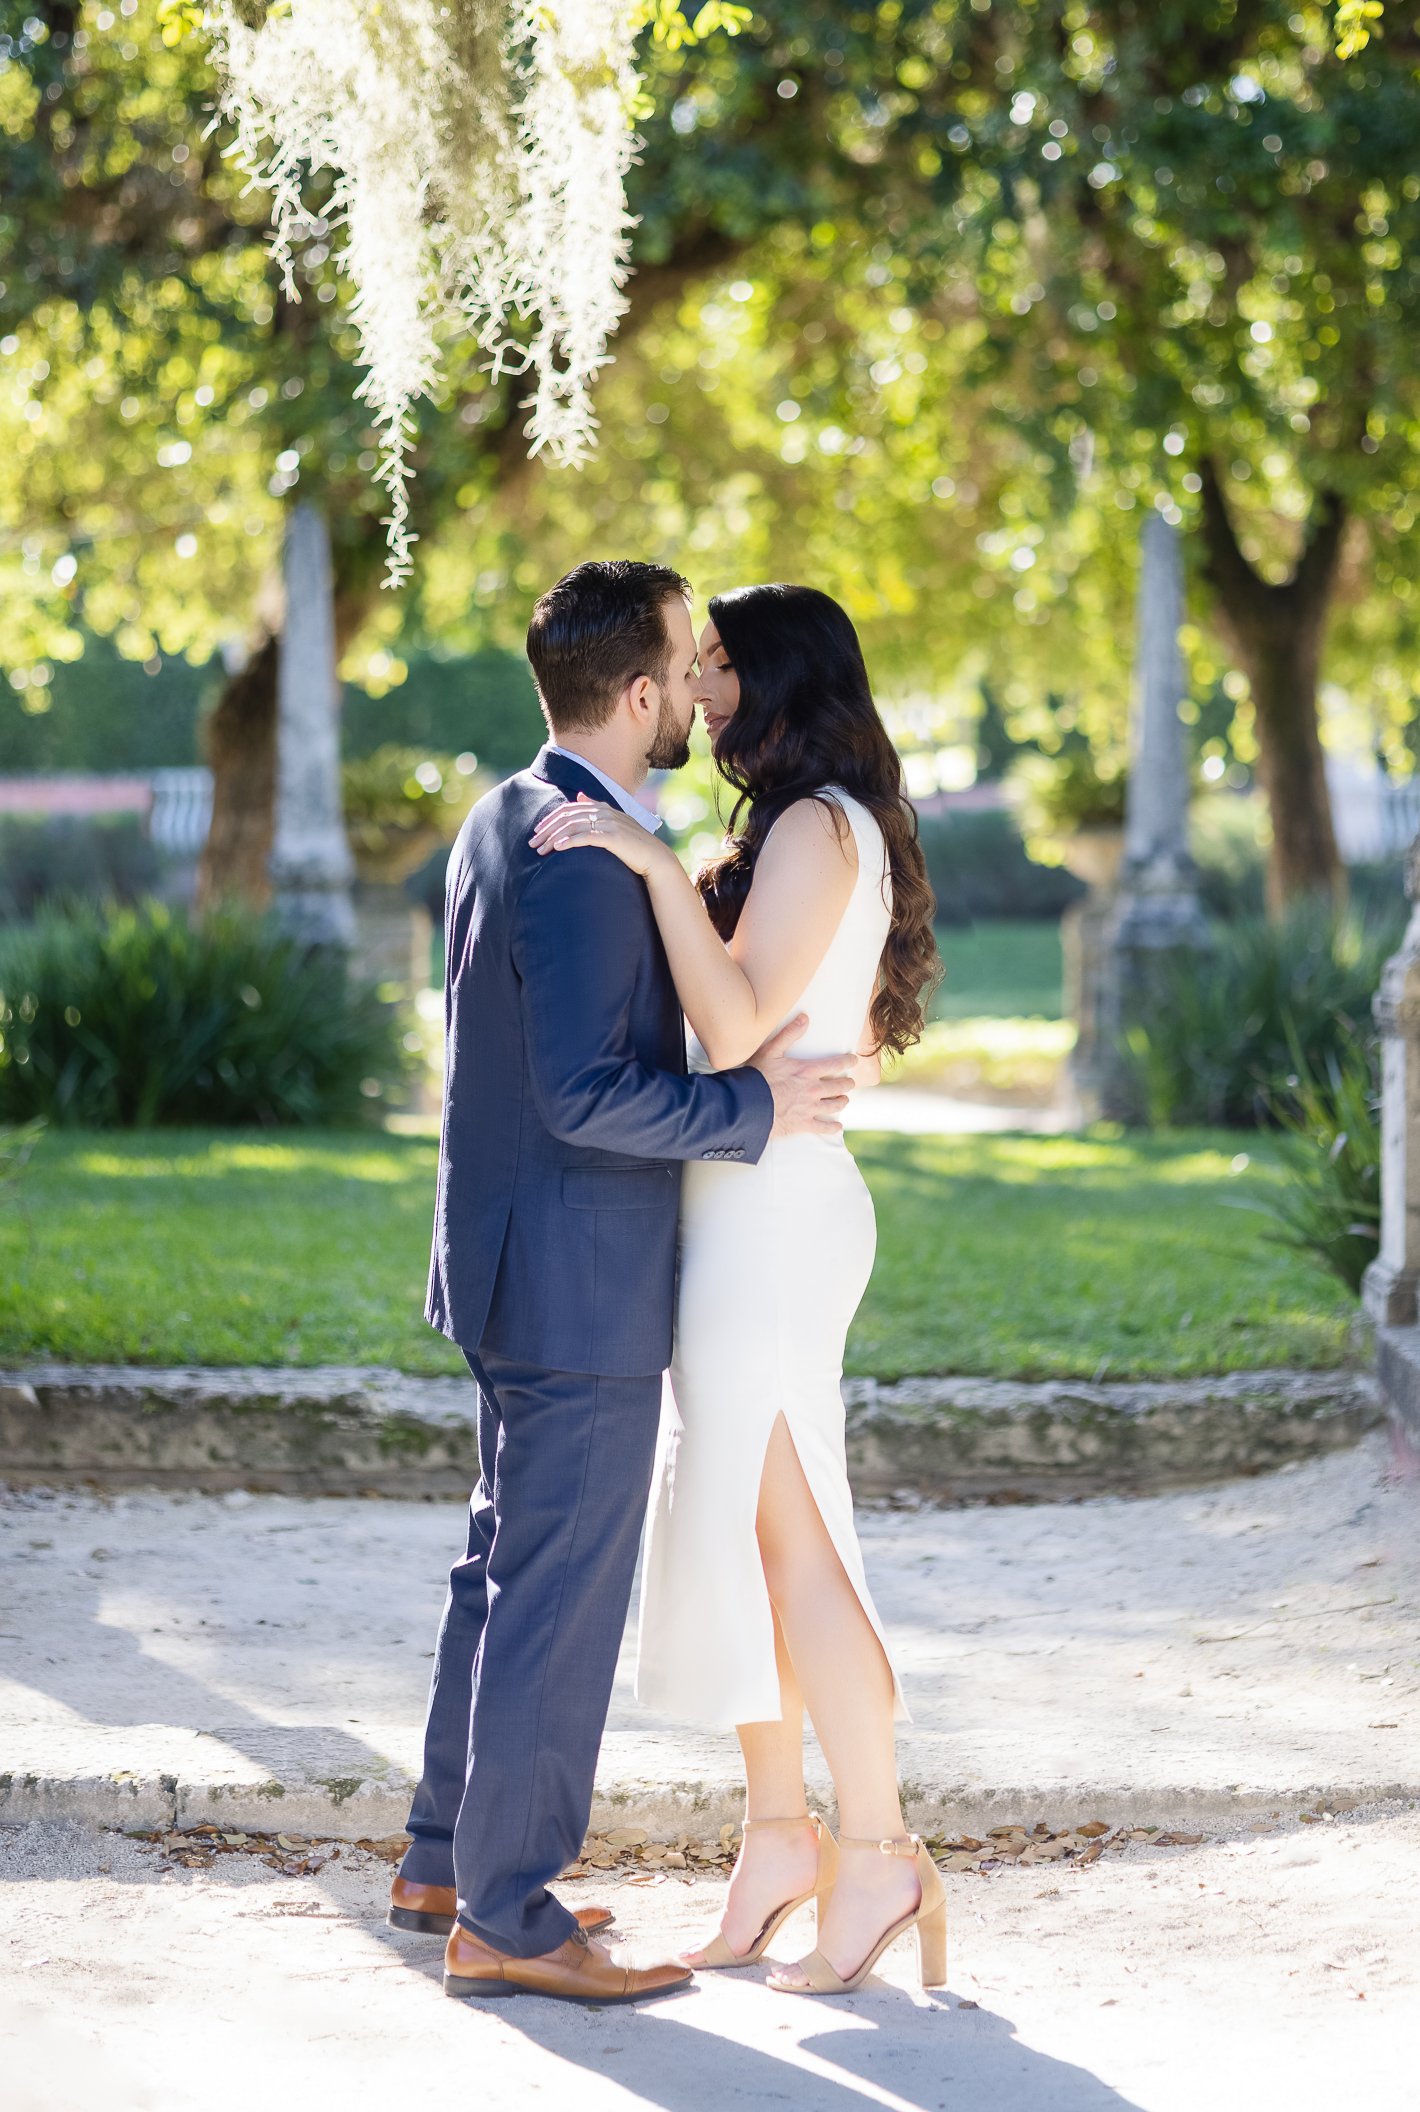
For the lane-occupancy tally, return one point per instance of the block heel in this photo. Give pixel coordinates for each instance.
(932, 1946)
(928, 1919)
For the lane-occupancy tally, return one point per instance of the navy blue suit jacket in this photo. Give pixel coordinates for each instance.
(567, 1108)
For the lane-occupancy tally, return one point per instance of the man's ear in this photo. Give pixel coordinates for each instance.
(642, 700)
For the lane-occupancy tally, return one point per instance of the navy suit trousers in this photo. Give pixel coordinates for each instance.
(529, 1641)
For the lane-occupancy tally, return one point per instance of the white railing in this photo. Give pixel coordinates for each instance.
(182, 810)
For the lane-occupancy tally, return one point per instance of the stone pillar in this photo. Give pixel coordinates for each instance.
(1156, 911)
(1094, 856)
(311, 866)
(1388, 1290)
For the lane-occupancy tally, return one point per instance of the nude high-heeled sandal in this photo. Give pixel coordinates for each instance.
(717, 1955)
(929, 1918)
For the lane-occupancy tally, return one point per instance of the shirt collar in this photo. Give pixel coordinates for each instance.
(628, 803)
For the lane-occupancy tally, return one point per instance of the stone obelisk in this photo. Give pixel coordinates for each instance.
(1157, 913)
(311, 867)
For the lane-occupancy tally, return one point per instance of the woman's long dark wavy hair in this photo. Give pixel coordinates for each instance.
(806, 719)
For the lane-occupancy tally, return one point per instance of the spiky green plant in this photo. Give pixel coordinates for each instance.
(1331, 1207)
(114, 1018)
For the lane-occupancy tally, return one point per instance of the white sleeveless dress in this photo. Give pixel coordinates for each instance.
(774, 1260)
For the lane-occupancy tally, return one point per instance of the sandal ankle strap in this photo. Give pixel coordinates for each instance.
(801, 1818)
(903, 1844)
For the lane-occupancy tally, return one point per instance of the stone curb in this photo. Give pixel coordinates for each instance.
(359, 1432)
(134, 1800)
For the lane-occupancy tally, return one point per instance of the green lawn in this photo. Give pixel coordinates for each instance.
(1012, 1256)
(999, 966)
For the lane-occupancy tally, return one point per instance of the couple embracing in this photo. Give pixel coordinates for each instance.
(608, 1208)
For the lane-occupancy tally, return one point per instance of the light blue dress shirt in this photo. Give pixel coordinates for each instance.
(624, 799)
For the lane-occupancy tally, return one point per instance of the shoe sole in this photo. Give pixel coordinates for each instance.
(443, 1924)
(420, 1924)
(461, 1989)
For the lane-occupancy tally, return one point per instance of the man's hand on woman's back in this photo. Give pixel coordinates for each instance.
(810, 1093)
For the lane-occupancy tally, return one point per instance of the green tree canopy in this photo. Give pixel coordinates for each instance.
(932, 302)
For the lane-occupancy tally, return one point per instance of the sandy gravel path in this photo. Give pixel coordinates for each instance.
(1265, 1970)
(1163, 1659)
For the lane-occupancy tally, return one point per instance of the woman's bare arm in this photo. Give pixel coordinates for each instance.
(735, 996)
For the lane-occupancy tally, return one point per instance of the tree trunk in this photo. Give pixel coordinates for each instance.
(1277, 633)
(1281, 662)
(241, 750)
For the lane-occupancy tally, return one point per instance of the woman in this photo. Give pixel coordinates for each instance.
(754, 1602)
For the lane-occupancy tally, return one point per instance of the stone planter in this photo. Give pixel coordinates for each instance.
(385, 855)
(1094, 855)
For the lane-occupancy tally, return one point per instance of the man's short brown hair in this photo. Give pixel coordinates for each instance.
(602, 625)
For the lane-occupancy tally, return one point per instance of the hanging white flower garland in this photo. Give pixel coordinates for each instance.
(478, 152)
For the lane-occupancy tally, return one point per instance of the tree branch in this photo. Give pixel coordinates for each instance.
(1241, 590)
(1321, 552)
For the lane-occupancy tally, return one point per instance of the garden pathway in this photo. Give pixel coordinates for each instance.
(910, 1110)
(1239, 1649)
(1281, 1970)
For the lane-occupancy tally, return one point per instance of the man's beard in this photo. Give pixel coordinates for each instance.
(670, 748)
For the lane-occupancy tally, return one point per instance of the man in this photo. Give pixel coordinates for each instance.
(567, 1116)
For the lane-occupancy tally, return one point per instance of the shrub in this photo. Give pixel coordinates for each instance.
(399, 803)
(126, 1017)
(1331, 1207)
(979, 867)
(1225, 837)
(1376, 885)
(1227, 840)
(1232, 1025)
(68, 857)
(1066, 792)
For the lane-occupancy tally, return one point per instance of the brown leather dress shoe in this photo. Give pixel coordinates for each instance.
(429, 1910)
(577, 1971)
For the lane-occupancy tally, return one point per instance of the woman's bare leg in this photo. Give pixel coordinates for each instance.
(847, 1685)
(780, 1862)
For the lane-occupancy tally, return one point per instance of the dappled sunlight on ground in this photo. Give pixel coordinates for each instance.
(351, 1156)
